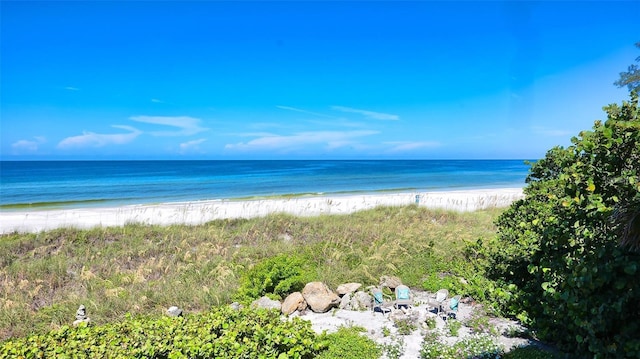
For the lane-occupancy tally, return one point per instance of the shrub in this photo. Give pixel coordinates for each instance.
(221, 333)
(453, 326)
(276, 276)
(558, 252)
(349, 343)
(477, 347)
(395, 349)
(405, 326)
(529, 352)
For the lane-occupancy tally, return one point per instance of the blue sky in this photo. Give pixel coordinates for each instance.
(307, 80)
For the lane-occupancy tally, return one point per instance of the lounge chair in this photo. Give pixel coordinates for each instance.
(403, 297)
(379, 303)
(438, 301)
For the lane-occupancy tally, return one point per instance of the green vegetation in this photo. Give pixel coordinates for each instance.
(349, 343)
(631, 77)
(453, 327)
(566, 257)
(477, 346)
(277, 277)
(146, 269)
(530, 352)
(220, 333)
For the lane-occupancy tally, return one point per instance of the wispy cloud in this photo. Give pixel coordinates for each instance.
(191, 146)
(155, 100)
(289, 108)
(407, 146)
(330, 139)
(27, 146)
(91, 139)
(551, 132)
(186, 125)
(369, 114)
(71, 88)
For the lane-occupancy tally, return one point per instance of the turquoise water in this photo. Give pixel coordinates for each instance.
(69, 184)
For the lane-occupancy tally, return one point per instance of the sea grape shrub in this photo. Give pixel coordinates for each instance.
(558, 251)
(221, 333)
(276, 277)
(350, 343)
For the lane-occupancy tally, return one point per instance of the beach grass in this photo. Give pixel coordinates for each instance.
(113, 271)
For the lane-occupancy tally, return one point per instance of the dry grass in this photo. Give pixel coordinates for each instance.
(146, 269)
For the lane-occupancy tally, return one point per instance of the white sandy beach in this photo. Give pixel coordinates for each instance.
(203, 211)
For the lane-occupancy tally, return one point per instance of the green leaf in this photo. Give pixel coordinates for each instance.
(630, 268)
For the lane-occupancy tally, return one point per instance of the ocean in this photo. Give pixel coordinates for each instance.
(73, 184)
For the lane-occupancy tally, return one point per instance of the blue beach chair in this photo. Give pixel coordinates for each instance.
(379, 304)
(452, 312)
(403, 297)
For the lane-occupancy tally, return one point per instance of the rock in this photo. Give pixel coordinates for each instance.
(390, 282)
(361, 301)
(345, 302)
(347, 288)
(319, 297)
(235, 306)
(266, 302)
(174, 311)
(294, 301)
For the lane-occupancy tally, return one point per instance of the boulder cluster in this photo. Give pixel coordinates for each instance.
(319, 298)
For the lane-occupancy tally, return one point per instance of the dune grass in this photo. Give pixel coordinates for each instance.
(145, 269)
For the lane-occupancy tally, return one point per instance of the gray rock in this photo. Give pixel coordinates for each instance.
(390, 282)
(361, 301)
(345, 302)
(236, 305)
(266, 302)
(294, 301)
(347, 288)
(174, 311)
(319, 297)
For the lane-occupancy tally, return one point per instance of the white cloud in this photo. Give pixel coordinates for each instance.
(331, 139)
(370, 114)
(190, 146)
(289, 108)
(186, 125)
(27, 146)
(155, 100)
(71, 88)
(91, 139)
(411, 146)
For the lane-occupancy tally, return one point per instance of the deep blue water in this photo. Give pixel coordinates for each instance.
(46, 184)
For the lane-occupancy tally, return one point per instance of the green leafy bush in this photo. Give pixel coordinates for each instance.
(529, 352)
(221, 333)
(558, 256)
(477, 347)
(405, 326)
(350, 343)
(453, 326)
(276, 276)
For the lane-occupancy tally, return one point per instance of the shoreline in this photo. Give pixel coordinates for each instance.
(199, 212)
